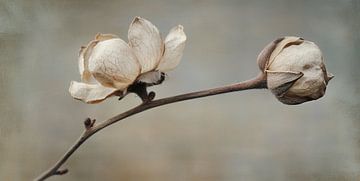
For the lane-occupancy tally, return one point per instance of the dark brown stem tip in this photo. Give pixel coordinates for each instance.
(88, 123)
(61, 172)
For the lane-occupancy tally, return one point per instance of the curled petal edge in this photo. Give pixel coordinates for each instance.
(84, 54)
(91, 93)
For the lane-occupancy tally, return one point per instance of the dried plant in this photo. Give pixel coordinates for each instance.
(291, 67)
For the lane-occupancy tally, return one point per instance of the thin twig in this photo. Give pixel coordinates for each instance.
(90, 129)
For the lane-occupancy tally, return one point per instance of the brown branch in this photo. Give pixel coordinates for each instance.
(90, 129)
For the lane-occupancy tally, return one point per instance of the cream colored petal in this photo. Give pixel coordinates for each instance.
(174, 47)
(113, 63)
(90, 93)
(145, 40)
(84, 54)
(281, 45)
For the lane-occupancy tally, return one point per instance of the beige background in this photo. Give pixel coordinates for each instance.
(239, 136)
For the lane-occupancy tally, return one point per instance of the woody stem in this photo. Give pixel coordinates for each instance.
(258, 82)
(140, 89)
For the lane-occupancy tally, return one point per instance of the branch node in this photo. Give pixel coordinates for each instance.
(140, 89)
(61, 172)
(151, 96)
(88, 123)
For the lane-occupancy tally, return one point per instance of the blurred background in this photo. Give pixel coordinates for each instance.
(238, 136)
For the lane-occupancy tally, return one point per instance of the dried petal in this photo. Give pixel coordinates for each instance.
(281, 46)
(293, 99)
(113, 63)
(145, 40)
(90, 93)
(174, 46)
(103, 37)
(85, 53)
(84, 62)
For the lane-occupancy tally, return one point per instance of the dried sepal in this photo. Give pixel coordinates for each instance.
(329, 76)
(279, 82)
(293, 99)
(264, 55)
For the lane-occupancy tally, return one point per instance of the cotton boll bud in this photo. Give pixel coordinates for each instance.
(295, 70)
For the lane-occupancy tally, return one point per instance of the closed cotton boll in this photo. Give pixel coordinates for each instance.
(295, 70)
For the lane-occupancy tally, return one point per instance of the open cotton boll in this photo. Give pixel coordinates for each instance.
(109, 66)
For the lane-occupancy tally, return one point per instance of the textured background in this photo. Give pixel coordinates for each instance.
(239, 136)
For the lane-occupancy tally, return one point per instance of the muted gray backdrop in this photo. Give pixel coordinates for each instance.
(239, 136)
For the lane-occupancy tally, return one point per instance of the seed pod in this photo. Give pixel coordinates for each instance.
(295, 70)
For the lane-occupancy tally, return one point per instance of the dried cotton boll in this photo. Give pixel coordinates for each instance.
(109, 66)
(295, 70)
